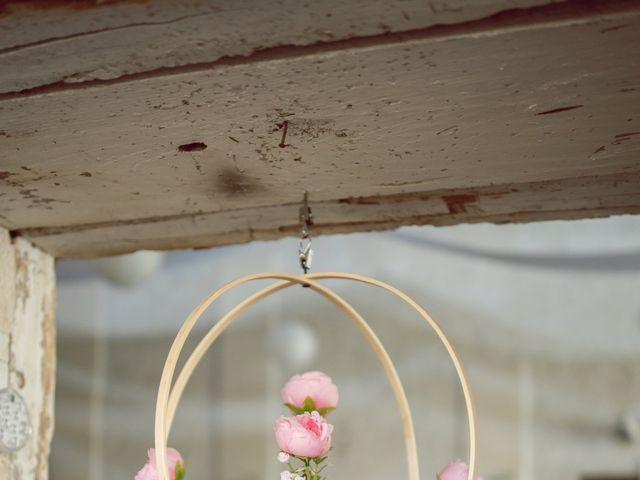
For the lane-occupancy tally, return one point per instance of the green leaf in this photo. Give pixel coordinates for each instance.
(309, 405)
(180, 471)
(325, 411)
(294, 409)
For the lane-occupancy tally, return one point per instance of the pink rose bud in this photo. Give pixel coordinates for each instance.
(175, 464)
(306, 435)
(457, 470)
(316, 385)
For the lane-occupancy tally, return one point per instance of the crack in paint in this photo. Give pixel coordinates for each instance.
(90, 33)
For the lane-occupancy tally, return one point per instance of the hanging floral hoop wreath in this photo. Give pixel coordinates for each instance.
(169, 395)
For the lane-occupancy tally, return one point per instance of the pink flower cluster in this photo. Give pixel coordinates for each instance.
(306, 436)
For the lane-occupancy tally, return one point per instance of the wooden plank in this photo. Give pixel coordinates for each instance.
(28, 336)
(564, 199)
(85, 41)
(508, 121)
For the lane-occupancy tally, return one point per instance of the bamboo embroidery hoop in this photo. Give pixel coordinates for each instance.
(169, 397)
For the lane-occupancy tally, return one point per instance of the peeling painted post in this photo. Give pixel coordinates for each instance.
(27, 349)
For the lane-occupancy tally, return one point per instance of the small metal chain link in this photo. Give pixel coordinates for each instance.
(305, 252)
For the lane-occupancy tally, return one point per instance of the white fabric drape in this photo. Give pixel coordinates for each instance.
(546, 317)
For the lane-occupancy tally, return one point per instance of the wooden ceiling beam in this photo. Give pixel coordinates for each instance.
(523, 116)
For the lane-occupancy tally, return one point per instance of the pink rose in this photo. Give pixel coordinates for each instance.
(306, 435)
(316, 385)
(175, 463)
(457, 470)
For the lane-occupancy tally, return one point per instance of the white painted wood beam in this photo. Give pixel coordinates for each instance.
(527, 116)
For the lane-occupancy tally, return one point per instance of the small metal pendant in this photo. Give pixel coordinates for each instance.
(15, 423)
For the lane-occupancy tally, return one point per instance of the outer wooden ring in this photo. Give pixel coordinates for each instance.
(168, 398)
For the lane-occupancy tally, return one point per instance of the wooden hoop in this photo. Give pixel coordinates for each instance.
(168, 398)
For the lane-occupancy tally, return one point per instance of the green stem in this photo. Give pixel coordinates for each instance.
(309, 468)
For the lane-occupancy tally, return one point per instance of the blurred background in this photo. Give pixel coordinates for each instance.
(546, 317)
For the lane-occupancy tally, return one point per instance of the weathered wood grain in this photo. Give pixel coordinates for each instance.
(563, 199)
(84, 41)
(28, 348)
(531, 120)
